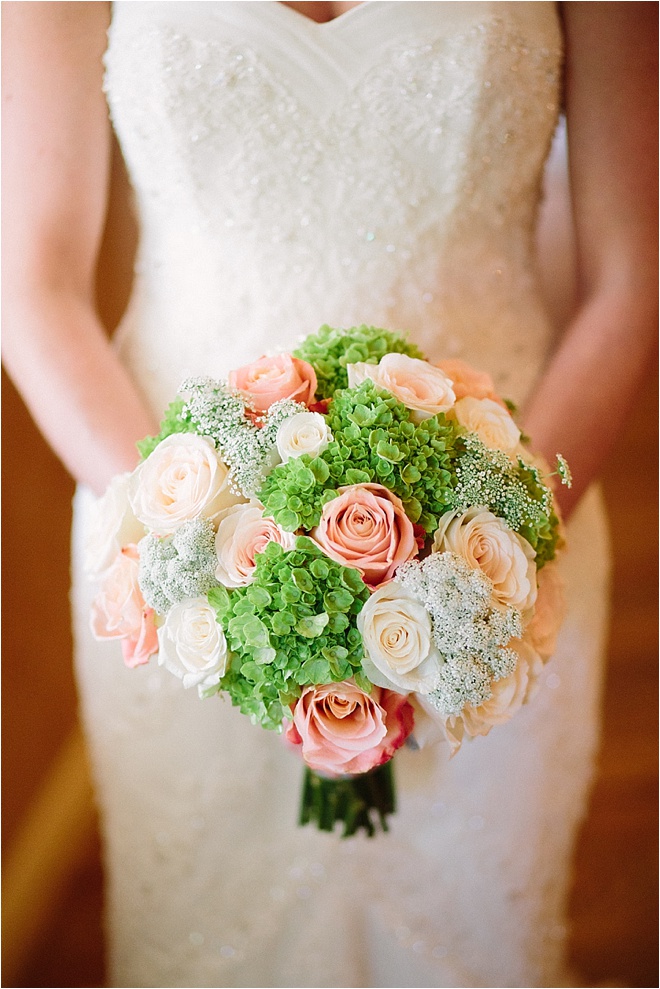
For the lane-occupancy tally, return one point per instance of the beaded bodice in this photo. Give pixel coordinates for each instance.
(383, 167)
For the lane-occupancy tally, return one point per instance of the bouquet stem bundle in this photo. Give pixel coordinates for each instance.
(360, 802)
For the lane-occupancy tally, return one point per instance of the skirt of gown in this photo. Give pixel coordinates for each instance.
(211, 883)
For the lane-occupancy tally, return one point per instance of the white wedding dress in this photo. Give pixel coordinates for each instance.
(383, 168)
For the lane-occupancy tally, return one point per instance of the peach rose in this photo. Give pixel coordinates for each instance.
(366, 527)
(508, 694)
(491, 422)
(549, 612)
(183, 478)
(486, 543)
(421, 387)
(468, 382)
(119, 610)
(244, 531)
(343, 731)
(139, 647)
(271, 379)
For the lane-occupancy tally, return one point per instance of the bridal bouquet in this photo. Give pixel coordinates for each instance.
(355, 545)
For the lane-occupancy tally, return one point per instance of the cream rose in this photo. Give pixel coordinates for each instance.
(271, 379)
(192, 644)
(304, 432)
(486, 543)
(491, 422)
(366, 527)
(397, 636)
(508, 694)
(183, 478)
(112, 526)
(243, 532)
(542, 631)
(421, 387)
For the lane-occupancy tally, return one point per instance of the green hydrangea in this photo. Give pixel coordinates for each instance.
(174, 421)
(293, 626)
(330, 350)
(374, 441)
(513, 490)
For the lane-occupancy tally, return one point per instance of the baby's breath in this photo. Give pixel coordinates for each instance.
(246, 446)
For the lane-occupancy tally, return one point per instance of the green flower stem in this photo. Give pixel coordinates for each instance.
(361, 802)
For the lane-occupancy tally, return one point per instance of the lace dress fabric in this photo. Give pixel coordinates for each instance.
(384, 168)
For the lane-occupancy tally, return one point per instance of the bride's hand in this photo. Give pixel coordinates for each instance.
(582, 399)
(56, 142)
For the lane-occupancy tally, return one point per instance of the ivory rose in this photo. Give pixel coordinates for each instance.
(398, 641)
(466, 380)
(111, 527)
(183, 478)
(342, 730)
(549, 612)
(366, 527)
(119, 610)
(491, 422)
(271, 379)
(508, 694)
(192, 644)
(486, 543)
(421, 387)
(244, 531)
(304, 432)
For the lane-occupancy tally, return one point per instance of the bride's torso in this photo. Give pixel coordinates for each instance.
(382, 167)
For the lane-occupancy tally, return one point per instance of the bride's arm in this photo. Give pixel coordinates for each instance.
(55, 177)
(611, 110)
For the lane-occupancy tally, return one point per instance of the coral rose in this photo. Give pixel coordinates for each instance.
(182, 479)
(366, 527)
(491, 422)
(244, 531)
(139, 647)
(466, 381)
(421, 387)
(486, 543)
(344, 731)
(271, 379)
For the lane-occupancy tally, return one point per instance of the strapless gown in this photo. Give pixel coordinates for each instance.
(383, 168)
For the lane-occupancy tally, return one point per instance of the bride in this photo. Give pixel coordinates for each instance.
(295, 164)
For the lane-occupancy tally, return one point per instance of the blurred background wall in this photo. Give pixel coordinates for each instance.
(52, 904)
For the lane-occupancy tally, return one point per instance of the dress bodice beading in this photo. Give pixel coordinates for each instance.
(383, 168)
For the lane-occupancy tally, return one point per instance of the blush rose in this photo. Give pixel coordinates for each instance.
(342, 730)
(119, 610)
(366, 527)
(491, 422)
(271, 379)
(421, 387)
(243, 532)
